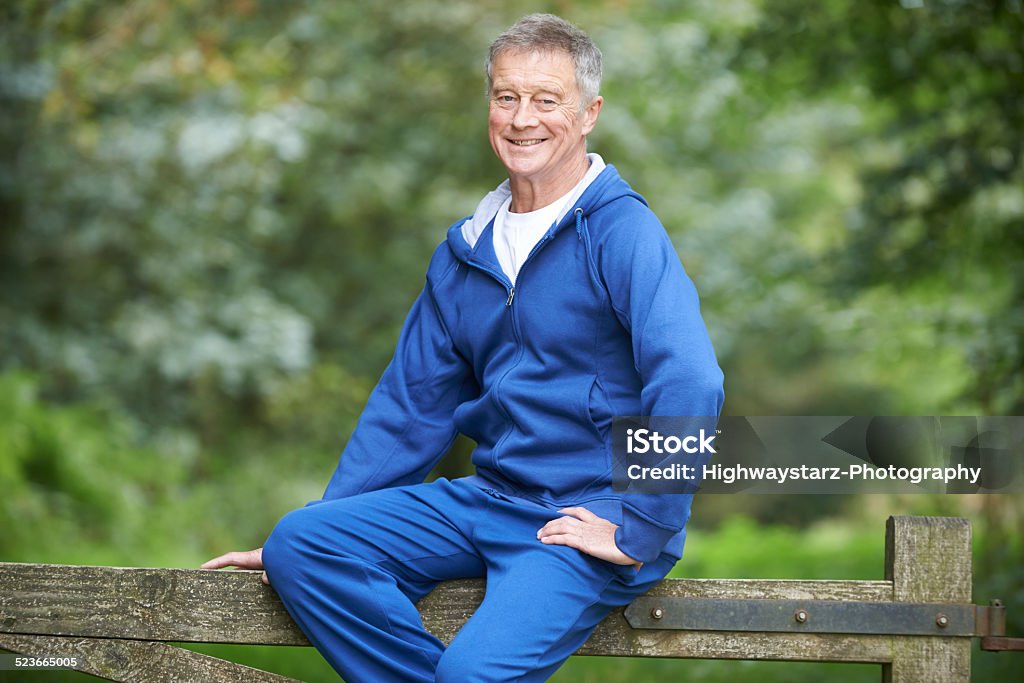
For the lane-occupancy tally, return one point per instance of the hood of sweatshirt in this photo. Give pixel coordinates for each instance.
(606, 187)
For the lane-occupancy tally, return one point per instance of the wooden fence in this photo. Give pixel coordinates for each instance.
(917, 623)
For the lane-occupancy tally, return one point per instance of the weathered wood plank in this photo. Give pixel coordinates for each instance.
(139, 661)
(207, 606)
(189, 605)
(928, 559)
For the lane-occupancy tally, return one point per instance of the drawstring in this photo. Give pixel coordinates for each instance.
(579, 223)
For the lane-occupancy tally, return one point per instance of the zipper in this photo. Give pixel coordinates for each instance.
(503, 280)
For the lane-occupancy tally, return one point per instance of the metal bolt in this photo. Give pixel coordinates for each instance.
(657, 613)
(801, 616)
(942, 621)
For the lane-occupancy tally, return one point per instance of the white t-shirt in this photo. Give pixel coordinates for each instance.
(516, 234)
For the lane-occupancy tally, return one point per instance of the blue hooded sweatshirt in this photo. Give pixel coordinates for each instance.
(602, 321)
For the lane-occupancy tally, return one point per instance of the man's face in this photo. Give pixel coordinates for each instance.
(535, 124)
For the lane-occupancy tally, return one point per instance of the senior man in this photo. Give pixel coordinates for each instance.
(559, 304)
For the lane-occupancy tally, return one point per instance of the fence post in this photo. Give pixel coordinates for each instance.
(928, 559)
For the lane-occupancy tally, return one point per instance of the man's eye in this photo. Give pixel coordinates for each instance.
(506, 98)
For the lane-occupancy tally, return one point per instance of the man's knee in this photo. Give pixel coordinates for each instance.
(283, 549)
(304, 540)
(466, 661)
(458, 665)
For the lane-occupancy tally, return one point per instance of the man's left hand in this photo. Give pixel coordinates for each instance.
(588, 533)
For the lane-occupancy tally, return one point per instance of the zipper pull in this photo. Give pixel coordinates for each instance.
(511, 295)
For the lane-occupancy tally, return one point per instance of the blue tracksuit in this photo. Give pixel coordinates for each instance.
(602, 321)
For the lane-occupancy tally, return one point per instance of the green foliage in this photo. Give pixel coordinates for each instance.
(741, 548)
(82, 486)
(926, 265)
(75, 487)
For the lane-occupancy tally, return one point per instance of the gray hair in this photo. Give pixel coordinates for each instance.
(546, 32)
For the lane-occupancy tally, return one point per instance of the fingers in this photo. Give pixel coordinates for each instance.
(250, 559)
(561, 525)
(575, 519)
(225, 560)
(583, 530)
(563, 539)
(580, 513)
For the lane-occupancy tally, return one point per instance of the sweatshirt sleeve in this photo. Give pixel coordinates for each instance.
(407, 424)
(657, 304)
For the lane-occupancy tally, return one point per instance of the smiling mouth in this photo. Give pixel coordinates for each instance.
(526, 143)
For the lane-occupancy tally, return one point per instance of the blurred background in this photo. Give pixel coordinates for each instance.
(214, 216)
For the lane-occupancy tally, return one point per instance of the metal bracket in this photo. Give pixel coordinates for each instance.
(1002, 644)
(817, 616)
(994, 639)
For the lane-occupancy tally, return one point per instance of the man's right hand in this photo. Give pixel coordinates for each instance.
(248, 559)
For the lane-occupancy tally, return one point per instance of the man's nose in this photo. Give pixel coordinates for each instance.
(525, 116)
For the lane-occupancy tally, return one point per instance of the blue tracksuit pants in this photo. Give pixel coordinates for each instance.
(350, 571)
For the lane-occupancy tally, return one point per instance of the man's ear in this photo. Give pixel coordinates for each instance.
(591, 113)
